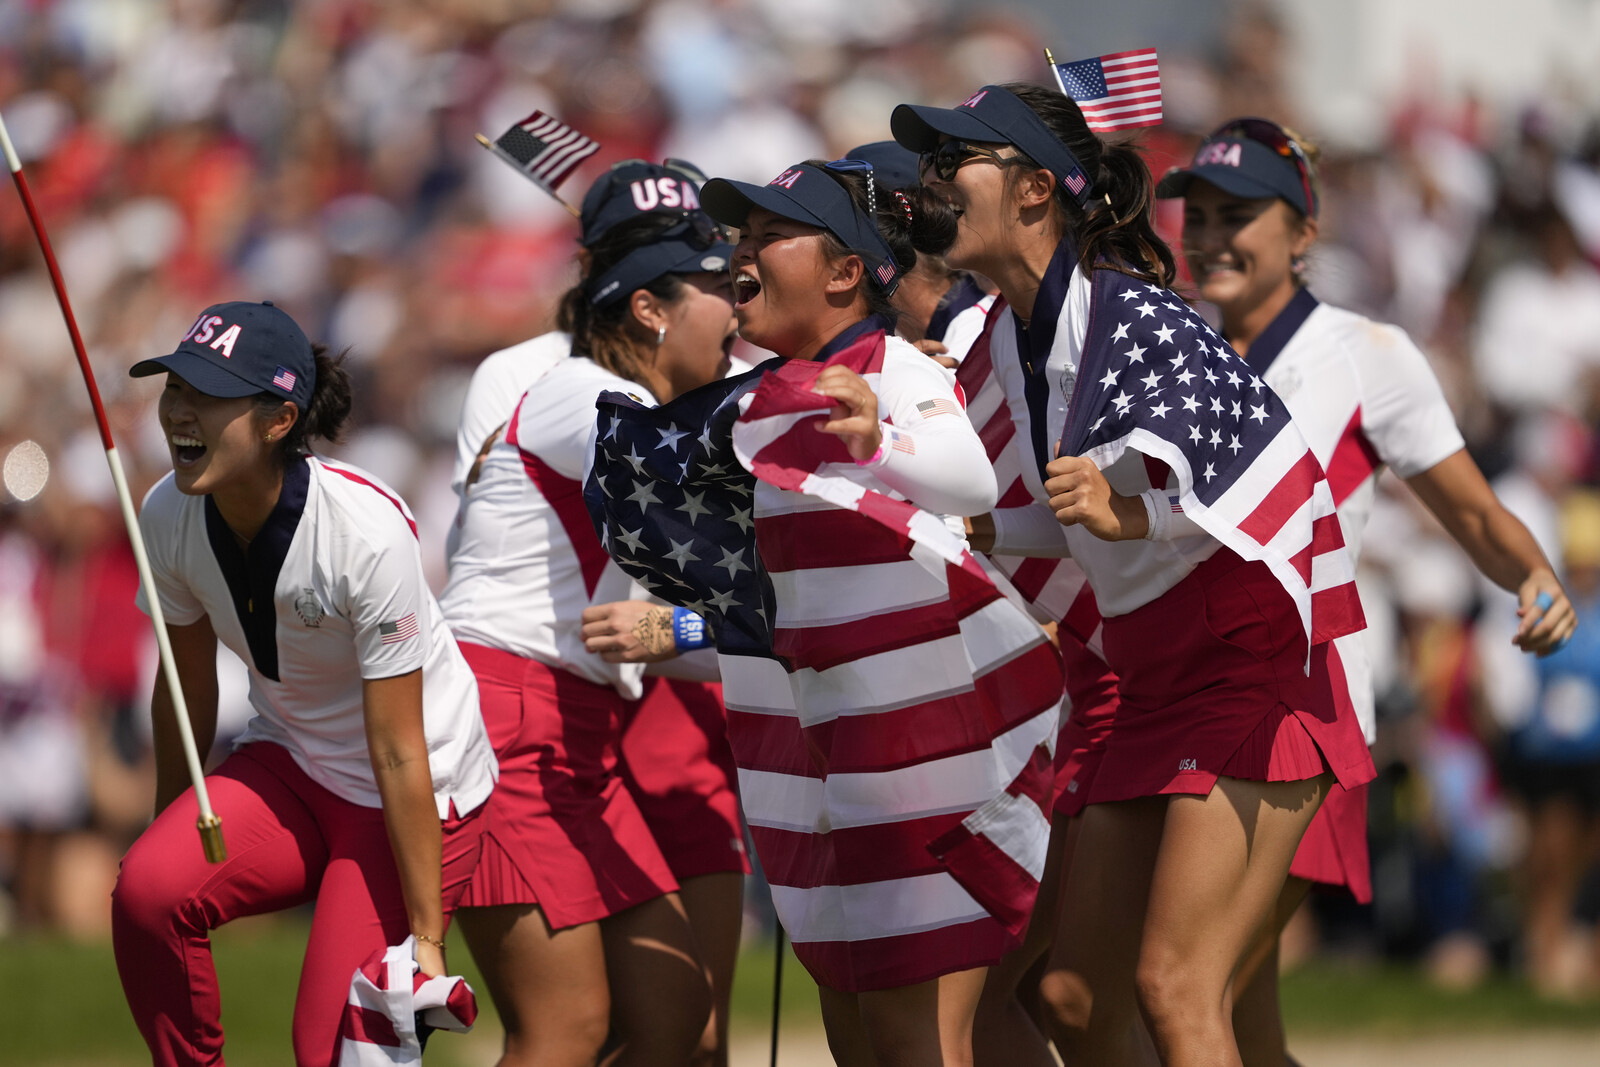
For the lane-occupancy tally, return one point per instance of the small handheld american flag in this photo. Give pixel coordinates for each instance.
(545, 149)
(1115, 92)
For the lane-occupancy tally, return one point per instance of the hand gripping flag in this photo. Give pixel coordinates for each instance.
(1056, 589)
(1154, 377)
(891, 713)
(1114, 92)
(545, 149)
(393, 1007)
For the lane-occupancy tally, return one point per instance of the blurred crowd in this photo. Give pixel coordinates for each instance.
(320, 154)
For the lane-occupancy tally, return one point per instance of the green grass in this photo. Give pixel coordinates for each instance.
(1332, 998)
(66, 1006)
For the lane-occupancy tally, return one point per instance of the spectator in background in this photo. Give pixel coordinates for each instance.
(1550, 762)
(1538, 343)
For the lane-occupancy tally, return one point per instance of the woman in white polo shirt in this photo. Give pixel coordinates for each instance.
(1365, 398)
(357, 784)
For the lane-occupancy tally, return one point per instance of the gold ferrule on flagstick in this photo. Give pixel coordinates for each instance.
(1048, 58)
(490, 145)
(210, 827)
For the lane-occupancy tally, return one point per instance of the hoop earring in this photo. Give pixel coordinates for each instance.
(661, 336)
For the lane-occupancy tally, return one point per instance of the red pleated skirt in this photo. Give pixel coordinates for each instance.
(1086, 726)
(562, 831)
(1212, 683)
(678, 766)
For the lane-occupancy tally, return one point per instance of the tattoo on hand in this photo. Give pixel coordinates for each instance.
(654, 631)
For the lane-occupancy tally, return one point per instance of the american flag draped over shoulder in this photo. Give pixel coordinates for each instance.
(1156, 378)
(1115, 92)
(1056, 588)
(891, 713)
(545, 149)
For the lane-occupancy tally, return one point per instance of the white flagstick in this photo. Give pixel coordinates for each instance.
(1055, 70)
(209, 825)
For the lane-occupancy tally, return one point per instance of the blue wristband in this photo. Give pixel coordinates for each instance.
(689, 630)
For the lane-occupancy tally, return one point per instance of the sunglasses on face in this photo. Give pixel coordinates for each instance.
(950, 157)
(1273, 136)
(699, 230)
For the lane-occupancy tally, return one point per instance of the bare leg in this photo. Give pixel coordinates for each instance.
(924, 1025)
(1088, 988)
(1004, 1034)
(715, 906)
(549, 986)
(660, 997)
(1554, 870)
(1257, 1018)
(1223, 861)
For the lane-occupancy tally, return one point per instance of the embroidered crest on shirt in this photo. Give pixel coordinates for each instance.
(308, 607)
(403, 629)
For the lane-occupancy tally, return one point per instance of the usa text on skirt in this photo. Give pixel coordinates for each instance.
(562, 831)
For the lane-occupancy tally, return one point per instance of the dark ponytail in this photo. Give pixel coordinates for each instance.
(326, 411)
(914, 221)
(609, 334)
(1119, 235)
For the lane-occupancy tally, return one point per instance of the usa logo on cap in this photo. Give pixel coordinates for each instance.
(975, 98)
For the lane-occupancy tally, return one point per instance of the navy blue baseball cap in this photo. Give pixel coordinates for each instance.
(892, 164)
(636, 189)
(1249, 157)
(241, 349)
(993, 115)
(810, 195)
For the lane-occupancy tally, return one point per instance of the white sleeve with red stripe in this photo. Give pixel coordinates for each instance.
(931, 455)
(1403, 410)
(497, 384)
(381, 587)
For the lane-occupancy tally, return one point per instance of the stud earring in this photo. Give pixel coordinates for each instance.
(661, 336)
(269, 437)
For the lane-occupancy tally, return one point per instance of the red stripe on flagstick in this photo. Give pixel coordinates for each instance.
(60, 285)
(1287, 497)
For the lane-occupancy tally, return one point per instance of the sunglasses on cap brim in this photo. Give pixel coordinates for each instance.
(1271, 135)
(950, 157)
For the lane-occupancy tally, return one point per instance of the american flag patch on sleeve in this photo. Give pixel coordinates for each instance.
(403, 629)
(902, 442)
(929, 408)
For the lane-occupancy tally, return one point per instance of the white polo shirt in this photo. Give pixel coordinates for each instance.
(332, 592)
(525, 560)
(496, 386)
(1365, 398)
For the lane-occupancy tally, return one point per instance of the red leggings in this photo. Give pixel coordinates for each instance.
(290, 841)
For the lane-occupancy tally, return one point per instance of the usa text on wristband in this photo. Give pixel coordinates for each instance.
(689, 630)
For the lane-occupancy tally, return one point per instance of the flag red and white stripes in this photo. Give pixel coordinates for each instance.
(389, 1000)
(1115, 92)
(545, 149)
(1056, 589)
(895, 765)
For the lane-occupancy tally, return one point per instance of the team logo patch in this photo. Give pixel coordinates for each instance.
(1187, 765)
(308, 607)
(713, 263)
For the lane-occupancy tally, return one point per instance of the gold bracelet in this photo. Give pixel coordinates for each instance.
(429, 940)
